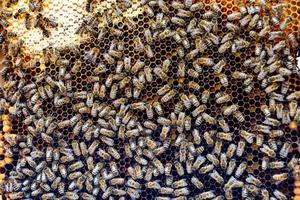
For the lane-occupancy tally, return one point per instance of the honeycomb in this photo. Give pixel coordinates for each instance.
(151, 100)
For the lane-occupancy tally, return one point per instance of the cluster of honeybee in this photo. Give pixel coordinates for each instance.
(30, 14)
(106, 116)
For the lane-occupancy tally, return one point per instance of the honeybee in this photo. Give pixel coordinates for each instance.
(191, 26)
(186, 101)
(234, 16)
(139, 46)
(223, 124)
(273, 67)
(206, 25)
(160, 73)
(183, 13)
(219, 66)
(276, 35)
(178, 21)
(151, 125)
(181, 69)
(162, 5)
(268, 151)
(179, 168)
(279, 195)
(239, 116)
(16, 195)
(239, 75)
(276, 165)
(209, 119)
(224, 136)
(265, 109)
(223, 79)
(28, 120)
(232, 27)
(240, 169)
(223, 161)
(113, 91)
(231, 166)
(71, 195)
(148, 10)
(19, 12)
(49, 173)
(49, 22)
(164, 34)
(254, 21)
(132, 183)
(177, 5)
(206, 195)
(223, 99)
(157, 163)
(205, 96)
(179, 184)
(192, 54)
(163, 90)
(279, 110)
(196, 6)
(241, 43)
(247, 136)
(137, 66)
(292, 39)
(196, 136)
(280, 177)
(293, 96)
(293, 108)
(148, 174)
(285, 118)
(75, 166)
(285, 23)
(166, 190)
(177, 38)
(153, 185)
(182, 151)
(102, 184)
(251, 179)
(284, 149)
(213, 159)
(147, 153)
(167, 97)
(114, 153)
(119, 67)
(117, 181)
(208, 138)
(280, 45)
(271, 88)
(284, 72)
(218, 147)
(209, 15)
(217, 177)
(179, 193)
(271, 121)
(109, 59)
(206, 61)
(149, 51)
(193, 85)
(224, 47)
(276, 133)
(101, 68)
(107, 192)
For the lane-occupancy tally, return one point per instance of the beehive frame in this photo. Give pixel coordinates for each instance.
(140, 129)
